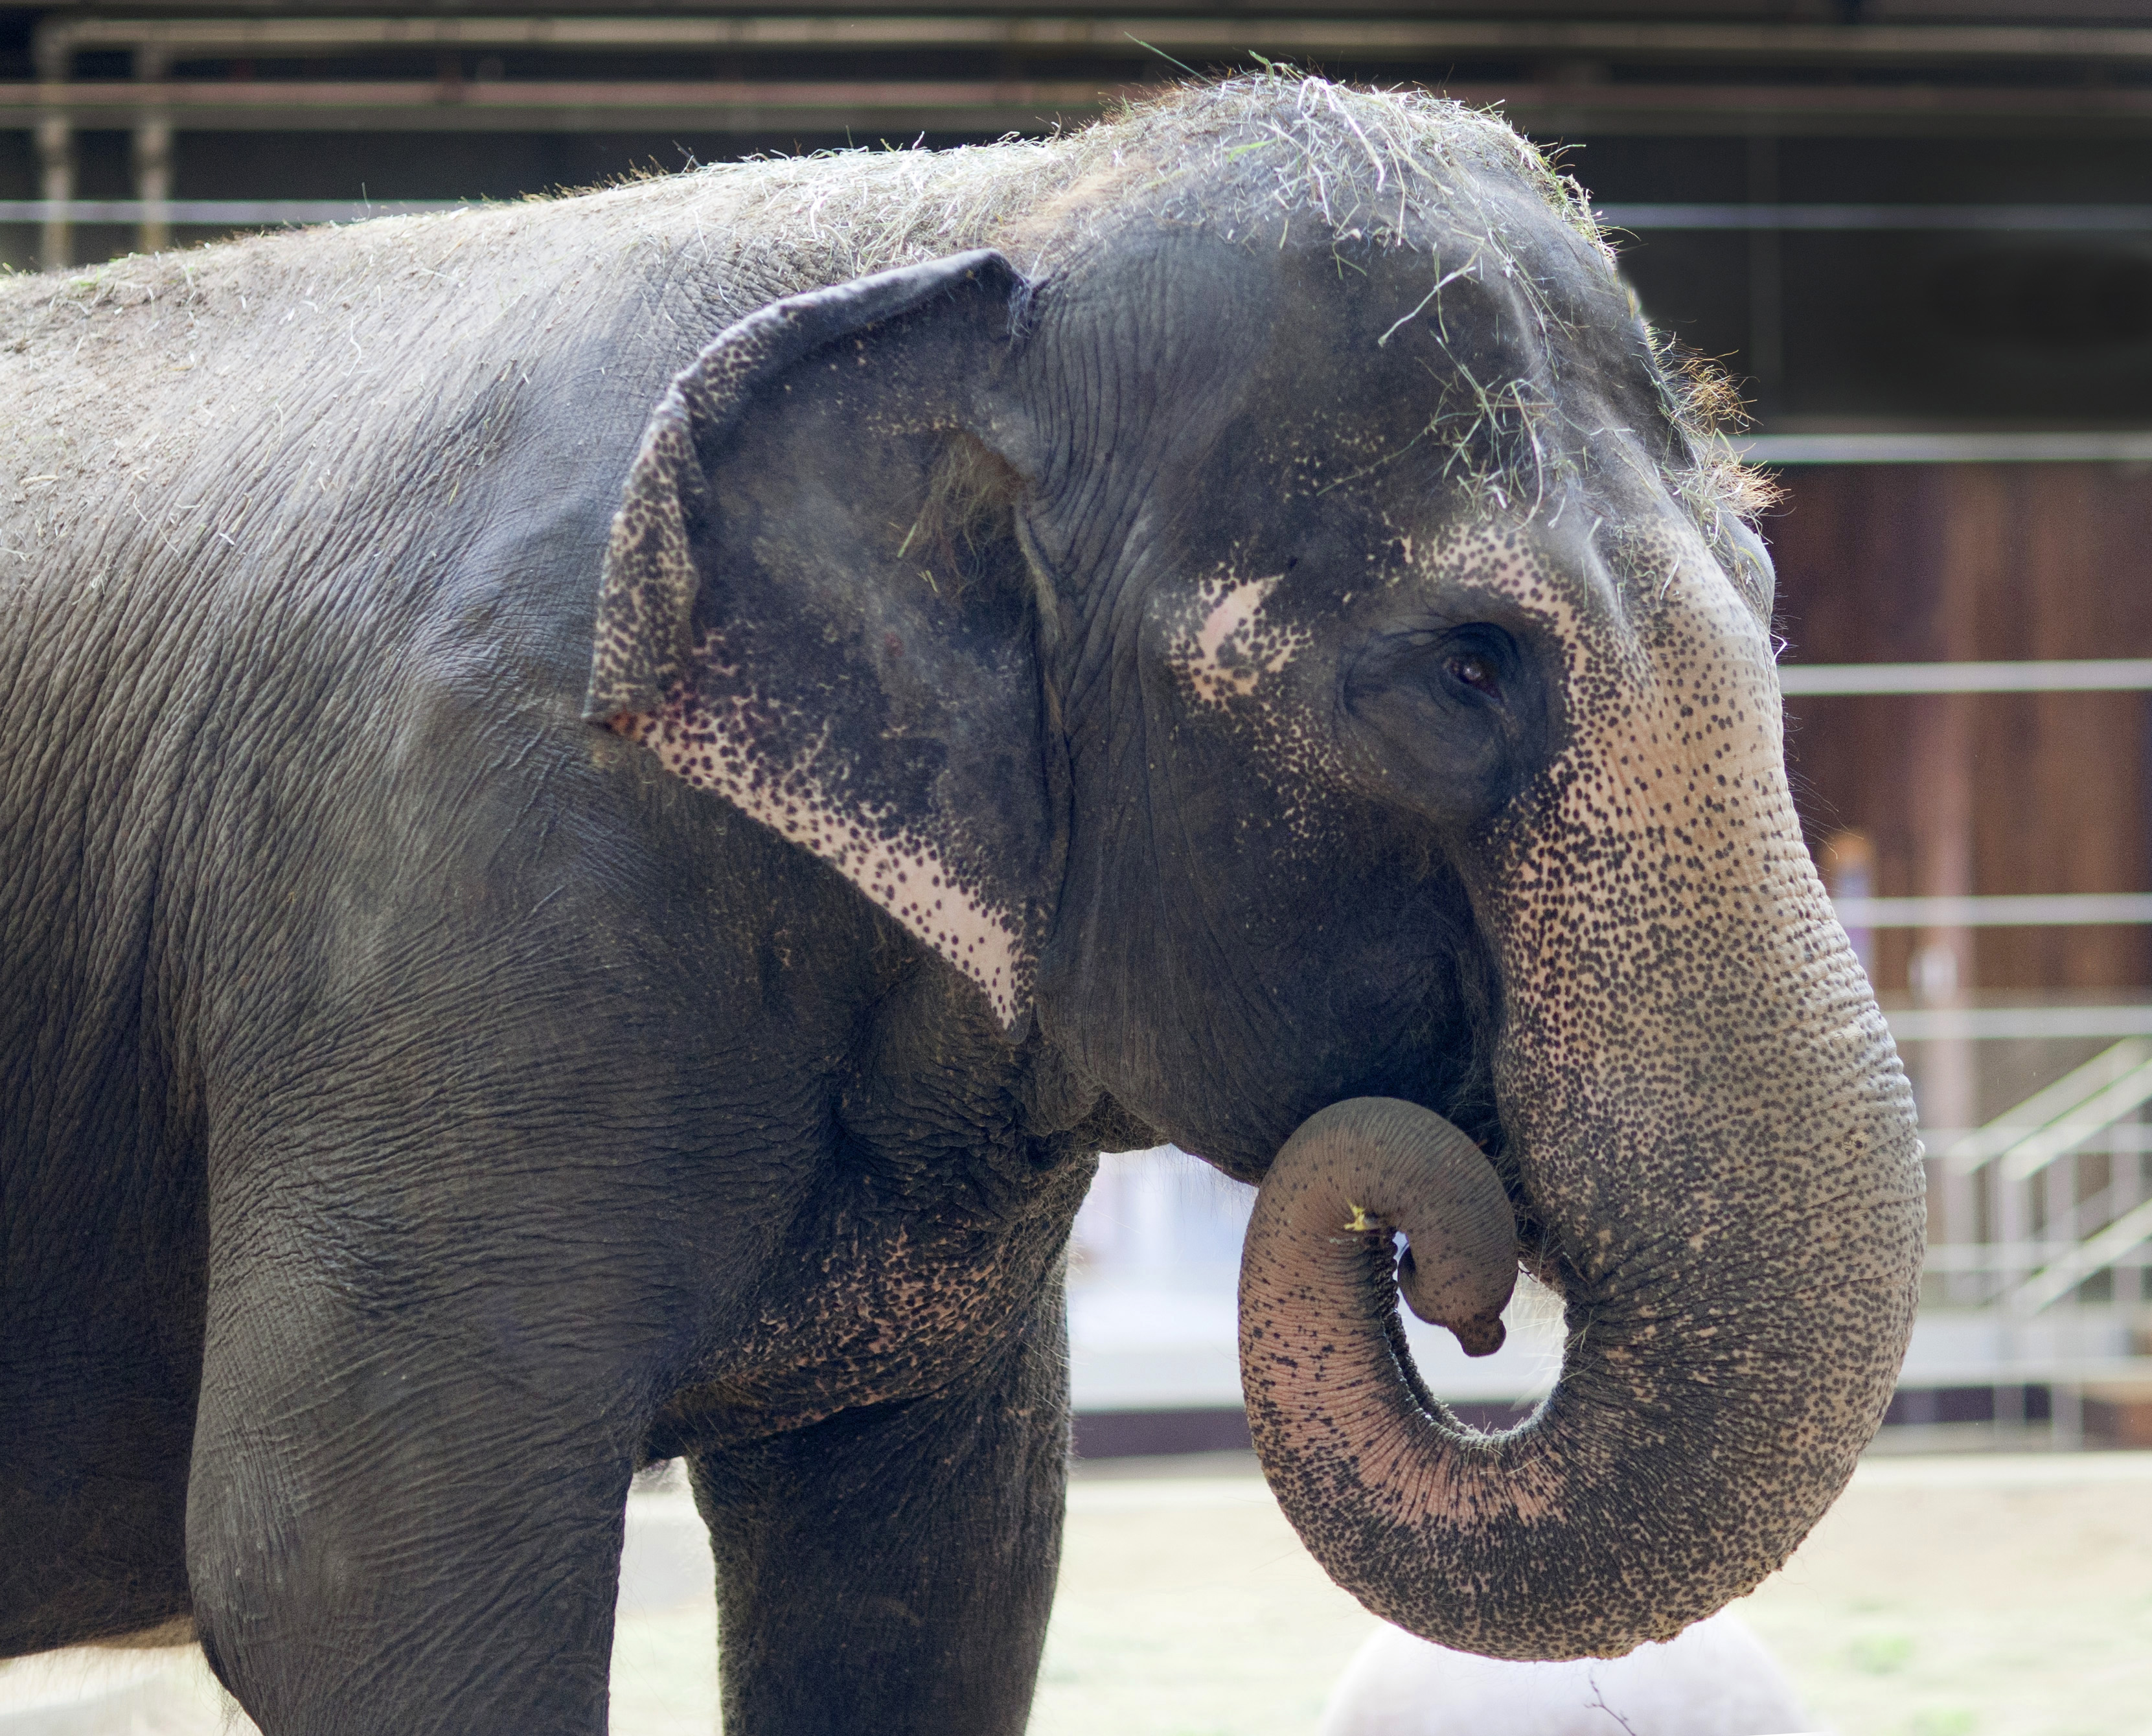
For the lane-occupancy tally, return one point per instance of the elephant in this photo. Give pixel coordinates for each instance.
(608, 799)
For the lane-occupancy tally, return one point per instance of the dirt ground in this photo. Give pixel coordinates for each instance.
(1960, 1596)
(1952, 1595)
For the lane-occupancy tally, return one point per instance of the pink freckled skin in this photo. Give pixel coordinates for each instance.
(1233, 611)
(1234, 647)
(978, 940)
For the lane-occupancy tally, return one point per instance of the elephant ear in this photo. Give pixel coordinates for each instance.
(815, 604)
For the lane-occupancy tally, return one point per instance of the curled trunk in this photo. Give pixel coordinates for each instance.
(1695, 1436)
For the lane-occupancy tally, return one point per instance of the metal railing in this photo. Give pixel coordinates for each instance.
(2089, 675)
(2049, 1234)
(57, 39)
(1029, 72)
(2039, 1266)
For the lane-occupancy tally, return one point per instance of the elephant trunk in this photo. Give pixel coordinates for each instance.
(1725, 1364)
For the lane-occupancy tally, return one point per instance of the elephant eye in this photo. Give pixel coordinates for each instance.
(1476, 672)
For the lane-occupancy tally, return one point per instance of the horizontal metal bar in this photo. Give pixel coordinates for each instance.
(2127, 446)
(2015, 1370)
(553, 105)
(2092, 675)
(215, 211)
(1867, 44)
(303, 37)
(1991, 1256)
(2008, 1024)
(2120, 1139)
(2066, 218)
(560, 105)
(2044, 910)
(120, 95)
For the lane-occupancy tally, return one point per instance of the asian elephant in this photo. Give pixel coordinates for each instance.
(606, 800)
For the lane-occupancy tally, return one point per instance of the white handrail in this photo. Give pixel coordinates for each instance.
(2092, 675)
(2038, 909)
(2033, 1153)
(1968, 1151)
(2079, 219)
(2077, 446)
(2010, 1024)
(2054, 1282)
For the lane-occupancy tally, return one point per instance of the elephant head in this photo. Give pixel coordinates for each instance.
(1294, 641)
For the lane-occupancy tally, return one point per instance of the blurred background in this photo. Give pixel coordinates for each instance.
(1919, 234)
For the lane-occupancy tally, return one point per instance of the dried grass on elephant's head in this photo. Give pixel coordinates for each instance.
(1238, 152)
(1386, 165)
(1718, 489)
(1250, 158)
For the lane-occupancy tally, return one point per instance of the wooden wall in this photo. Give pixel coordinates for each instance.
(1982, 793)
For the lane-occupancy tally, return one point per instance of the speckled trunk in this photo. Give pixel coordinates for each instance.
(1708, 1117)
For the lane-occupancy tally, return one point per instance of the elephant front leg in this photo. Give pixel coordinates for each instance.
(892, 1570)
(390, 1529)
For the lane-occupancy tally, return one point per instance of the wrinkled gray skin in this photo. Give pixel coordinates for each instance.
(1233, 624)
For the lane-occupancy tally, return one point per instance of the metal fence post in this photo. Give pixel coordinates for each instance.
(152, 154)
(52, 50)
(56, 187)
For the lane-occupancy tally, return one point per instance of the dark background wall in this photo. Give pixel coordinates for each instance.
(1989, 792)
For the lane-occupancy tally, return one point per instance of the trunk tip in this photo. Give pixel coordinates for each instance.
(1481, 1336)
(1477, 1331)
